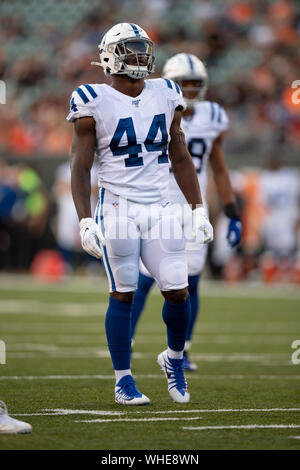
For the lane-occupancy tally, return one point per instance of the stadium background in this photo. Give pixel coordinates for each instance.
(251, 50)
(58, 373)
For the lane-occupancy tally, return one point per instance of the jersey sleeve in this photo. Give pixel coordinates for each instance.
(219, 118)
(82, 103)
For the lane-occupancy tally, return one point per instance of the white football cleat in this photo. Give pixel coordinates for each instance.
(10, 425)
(173, 369)
(126, 393)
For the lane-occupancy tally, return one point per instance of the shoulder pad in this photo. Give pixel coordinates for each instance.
(218, 115)
(86, 92)
(164, 84)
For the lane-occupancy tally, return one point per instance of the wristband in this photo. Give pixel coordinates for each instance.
(231, 211)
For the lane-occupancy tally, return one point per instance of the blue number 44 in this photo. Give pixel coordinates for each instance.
(132, 148)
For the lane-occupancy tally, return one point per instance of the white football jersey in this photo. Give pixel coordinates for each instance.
(280, 192)
(132, 136)
(206, 124)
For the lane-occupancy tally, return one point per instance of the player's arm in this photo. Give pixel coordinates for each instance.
(182, 164)
(220, 172)
(225, 191)
(186, 177)
(82, 159)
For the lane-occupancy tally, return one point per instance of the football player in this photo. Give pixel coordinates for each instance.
(204, 124)
(133, 124)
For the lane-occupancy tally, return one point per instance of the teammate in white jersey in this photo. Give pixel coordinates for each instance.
(204, 124)
(280, 193)
(133, 124)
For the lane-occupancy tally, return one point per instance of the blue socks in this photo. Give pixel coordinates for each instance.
(118, 329)
(144, 285)
(193, 291)
(122, 317)
(176, 317)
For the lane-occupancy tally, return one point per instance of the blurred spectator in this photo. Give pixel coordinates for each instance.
(250, 48)
(24, 216)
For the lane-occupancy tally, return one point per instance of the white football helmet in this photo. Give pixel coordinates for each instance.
(187, 67)
(126, 49)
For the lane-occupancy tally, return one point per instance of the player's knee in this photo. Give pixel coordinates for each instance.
(176, 296)
(173, 274)
(195, 259)
(123, 296)
(127, 276)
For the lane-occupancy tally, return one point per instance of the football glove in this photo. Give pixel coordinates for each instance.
(234, 232)
(91, 237)
(202, 228)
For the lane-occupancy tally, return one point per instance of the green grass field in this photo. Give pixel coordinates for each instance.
(58, 375)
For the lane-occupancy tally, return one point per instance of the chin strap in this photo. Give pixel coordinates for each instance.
(96, 63)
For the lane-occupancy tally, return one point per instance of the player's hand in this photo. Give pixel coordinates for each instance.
(202, 228)
(91, 237)
(234, 232)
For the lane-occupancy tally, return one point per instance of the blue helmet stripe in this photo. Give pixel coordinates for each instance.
(168, 83)
(82, 95)
(136, 31)
(91, 90)
(191, 64)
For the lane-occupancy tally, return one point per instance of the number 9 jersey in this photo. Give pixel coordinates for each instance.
(132, 136)
(206, 124)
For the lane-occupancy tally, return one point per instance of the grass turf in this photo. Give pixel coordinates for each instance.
(242, 345)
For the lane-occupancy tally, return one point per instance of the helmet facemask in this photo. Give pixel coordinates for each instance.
(200, 89)
(132, 57)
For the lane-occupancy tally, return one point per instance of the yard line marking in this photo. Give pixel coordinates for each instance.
(67, 309)
(247, 327)
(86, 352)
(32, 347)
(148, 376)
(294, 437)
(248, 426)
(118, 420)
(66, 411)
(203, 339)
(228, 410)
(56, 377)
(252, 290)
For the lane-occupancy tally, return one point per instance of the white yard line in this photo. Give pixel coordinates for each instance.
(65, 411)
(148, 376)
(248, 426)
(118, 420)
(68, 309)
(85, 352)
(76, 284)
(202, 339)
